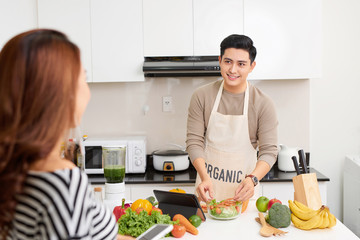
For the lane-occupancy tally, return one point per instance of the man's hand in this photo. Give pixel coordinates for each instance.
(245, 190)
(204, 187)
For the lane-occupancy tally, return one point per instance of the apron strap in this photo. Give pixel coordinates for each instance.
(246, 100)
(218, 98)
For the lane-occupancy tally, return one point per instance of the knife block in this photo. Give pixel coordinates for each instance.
(306, 190)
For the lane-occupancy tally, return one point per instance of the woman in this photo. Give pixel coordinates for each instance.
(43, 93)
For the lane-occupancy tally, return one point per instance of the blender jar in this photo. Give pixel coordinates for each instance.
(114, 163)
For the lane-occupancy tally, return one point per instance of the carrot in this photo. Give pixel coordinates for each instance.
(244, 206)
(183, 221)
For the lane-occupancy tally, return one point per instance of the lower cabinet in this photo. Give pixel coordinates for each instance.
(145, 190)
(136, 191)
(283, 191)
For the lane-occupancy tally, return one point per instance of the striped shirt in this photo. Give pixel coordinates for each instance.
(61, 205)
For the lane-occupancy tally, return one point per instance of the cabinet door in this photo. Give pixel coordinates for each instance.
(168, 28)
(287, 36)
(16, 16)
(117, 40)
(72, 18)
(214, 20)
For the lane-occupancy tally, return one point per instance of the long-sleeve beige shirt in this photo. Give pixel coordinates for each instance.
(262, 118)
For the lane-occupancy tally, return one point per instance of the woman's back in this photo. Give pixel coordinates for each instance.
(60, 205)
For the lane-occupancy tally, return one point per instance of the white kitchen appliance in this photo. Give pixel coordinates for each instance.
(351, 195)
(285, 162)
(175, 159)
(135, 156)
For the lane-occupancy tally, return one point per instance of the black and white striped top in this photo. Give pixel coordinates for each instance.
(61, 205)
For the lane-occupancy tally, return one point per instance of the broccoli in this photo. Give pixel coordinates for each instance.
(279, 216)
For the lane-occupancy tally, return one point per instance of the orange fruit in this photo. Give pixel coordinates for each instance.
(244, 206)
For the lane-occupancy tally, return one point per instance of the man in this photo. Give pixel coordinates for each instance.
(227, 121)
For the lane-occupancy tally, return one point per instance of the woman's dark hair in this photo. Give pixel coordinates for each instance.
(39, 73)
(239, 42)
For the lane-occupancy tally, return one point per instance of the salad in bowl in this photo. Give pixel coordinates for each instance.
(224, 210)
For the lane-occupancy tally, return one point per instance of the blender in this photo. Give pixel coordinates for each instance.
(114, 173)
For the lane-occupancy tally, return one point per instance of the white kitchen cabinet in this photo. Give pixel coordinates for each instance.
(117, 40)
(287, 35)
(213, 21)
(16, 16)
(284, 191)
(168, 27)
(145, 190)
(72, 18)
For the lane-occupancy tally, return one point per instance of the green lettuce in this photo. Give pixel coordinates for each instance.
(134, 224)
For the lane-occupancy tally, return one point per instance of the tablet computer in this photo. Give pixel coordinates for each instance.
(184, 203)
(156, 232)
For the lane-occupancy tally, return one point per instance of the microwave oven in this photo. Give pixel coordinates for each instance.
(135, 159)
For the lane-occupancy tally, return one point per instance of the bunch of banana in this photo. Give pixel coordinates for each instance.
(306, 218)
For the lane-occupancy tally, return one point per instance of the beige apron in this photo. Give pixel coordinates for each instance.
(228, 150)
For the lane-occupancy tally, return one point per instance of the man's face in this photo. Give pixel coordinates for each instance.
(235, 67)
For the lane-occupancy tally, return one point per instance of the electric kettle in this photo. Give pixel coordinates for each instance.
(285, 162)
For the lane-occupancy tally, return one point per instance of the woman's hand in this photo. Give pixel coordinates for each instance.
(203, 188)
(245, 190)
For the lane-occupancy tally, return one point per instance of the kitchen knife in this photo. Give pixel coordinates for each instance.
(302, 159)
(296, 165)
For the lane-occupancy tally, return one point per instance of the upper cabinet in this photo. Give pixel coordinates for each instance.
(287, 36)
(16, 16)
(109, 35)
(168, 27)
(189, 27)
(213, 21)
(72, 18)
(117, 40)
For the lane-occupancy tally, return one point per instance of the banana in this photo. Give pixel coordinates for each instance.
(313, 222)
(302, 211)
(332, 218)
(326, 220)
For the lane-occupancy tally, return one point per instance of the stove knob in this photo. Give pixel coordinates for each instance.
(138, 162)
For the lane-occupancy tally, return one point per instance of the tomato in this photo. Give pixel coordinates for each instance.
(195, 220)
(178, 231)
(139, 210)
(156, 209)
(218, 210)
(142, 203)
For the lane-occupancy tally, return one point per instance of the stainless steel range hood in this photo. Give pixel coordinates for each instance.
(189, 66)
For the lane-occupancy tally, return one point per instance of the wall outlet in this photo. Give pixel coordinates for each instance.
(167, 104)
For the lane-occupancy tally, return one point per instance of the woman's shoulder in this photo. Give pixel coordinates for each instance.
(66, 177)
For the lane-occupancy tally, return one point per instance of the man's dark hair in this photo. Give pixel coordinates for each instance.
(239, 42)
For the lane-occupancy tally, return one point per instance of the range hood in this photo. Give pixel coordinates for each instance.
(190, 66)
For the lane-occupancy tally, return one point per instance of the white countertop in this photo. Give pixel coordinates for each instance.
(245, 227)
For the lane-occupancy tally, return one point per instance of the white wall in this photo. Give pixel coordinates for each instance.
(335, 98)
(116, 109)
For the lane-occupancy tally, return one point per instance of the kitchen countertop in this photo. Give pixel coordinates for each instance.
(245, 227)
(152, 176)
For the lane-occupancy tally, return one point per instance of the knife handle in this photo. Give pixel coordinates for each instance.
(303, 161)
(296, 165)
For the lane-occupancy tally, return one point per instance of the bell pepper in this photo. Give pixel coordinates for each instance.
(178, 190)
(142, 203)
(120, 210)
